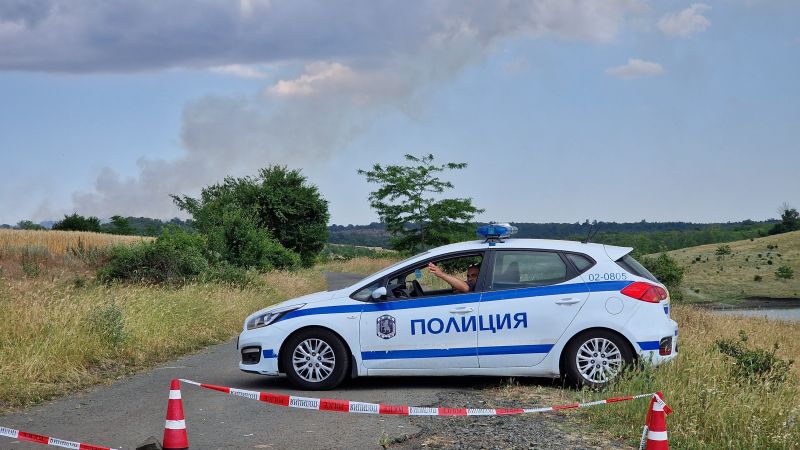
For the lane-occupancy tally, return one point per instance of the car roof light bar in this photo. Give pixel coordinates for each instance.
(495, 232)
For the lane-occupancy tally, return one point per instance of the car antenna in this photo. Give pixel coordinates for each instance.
(591, 234)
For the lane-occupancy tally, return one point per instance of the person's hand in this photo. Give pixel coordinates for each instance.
(435, 269)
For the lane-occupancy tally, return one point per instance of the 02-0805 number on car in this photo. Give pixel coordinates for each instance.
(607, 276)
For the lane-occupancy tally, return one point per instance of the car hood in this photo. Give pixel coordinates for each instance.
(309, 299)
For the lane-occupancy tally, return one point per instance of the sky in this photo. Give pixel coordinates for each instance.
(564, 110)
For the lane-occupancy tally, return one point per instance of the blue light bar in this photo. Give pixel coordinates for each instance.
(496, 231)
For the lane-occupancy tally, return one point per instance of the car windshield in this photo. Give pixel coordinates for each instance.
(397, 264)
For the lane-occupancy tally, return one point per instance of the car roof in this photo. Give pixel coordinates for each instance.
(592, 249)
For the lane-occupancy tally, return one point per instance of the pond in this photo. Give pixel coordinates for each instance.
(792, 314)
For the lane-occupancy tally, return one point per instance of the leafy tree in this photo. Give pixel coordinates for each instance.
(405, 203)
(790, 220)
(29, 225)
(75, 222)
(118, 225)
(278, 201)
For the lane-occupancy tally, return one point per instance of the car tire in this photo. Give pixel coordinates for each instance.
(315, 359)
(595, 358)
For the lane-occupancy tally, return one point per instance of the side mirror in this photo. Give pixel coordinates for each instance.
(379, 293)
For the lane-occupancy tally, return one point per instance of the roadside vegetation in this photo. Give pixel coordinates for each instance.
(726, 393)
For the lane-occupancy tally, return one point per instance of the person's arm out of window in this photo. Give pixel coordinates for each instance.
(458, 285)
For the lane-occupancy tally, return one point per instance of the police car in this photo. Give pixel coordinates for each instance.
(544, 308)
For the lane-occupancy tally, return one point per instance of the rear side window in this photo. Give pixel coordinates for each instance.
(633, 266)
(582, 263)
(525, 269)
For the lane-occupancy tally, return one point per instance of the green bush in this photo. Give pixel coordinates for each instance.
(723, 250)
(758, 278)
(175, 256)
(753, 365)
(668, 271)
(278, 200)
(76, 222)
(239, 242)
(108, 323)
(784, 273)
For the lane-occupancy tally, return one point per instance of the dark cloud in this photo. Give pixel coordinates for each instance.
(136, 35)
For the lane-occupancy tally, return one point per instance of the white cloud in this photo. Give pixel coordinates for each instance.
(636, 68)
(239, 70)
(685, 23)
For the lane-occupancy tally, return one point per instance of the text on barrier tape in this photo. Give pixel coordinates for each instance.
(346, 406)
(47, 440)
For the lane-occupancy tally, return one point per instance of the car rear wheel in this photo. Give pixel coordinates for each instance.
(315, 359)
(595, 358)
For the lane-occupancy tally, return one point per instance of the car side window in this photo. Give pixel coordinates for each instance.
(519, 269)
(582, 263)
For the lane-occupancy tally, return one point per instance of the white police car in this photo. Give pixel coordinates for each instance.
(538, 308)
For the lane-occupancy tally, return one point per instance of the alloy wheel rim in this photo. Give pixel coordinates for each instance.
(313, 360)
(598, 360)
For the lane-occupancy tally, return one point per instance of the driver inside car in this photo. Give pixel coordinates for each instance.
(460, 286)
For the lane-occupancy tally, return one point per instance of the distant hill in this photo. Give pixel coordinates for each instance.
(748, 271)
(645, 237)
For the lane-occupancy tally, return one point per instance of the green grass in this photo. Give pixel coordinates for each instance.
(729, 278)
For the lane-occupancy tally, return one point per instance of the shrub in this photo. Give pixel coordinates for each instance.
(722, 250)
(75, 222)
(753, 365)
(108, 324)
(758, 278)
(239, 242)
(668, 271)
(174, 256)
(277, 200)
(784, 272)
(33, 260)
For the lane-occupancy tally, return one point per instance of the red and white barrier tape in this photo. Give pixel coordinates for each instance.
(346, 406)
(47, 440)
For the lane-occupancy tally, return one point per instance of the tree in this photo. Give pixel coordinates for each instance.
(277, 201)
(29, 225)
(405, 202)
(118, 225)
(74, 222)
(790, 220)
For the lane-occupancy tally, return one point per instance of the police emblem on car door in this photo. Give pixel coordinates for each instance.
(386, 327)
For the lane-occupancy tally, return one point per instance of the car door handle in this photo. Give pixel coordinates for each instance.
(568, 301)
(462, 310)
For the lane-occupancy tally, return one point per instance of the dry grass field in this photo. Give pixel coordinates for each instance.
(710, 277)
(55, 254)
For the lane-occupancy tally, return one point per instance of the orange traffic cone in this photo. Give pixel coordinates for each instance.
(175, 427)
(656, 424)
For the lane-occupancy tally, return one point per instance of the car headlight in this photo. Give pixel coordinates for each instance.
(270, 316)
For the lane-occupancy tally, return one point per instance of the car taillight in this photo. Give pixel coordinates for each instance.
(665, 346)
(645, 292)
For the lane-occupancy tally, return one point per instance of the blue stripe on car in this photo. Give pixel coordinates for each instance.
(269, 353)
(455, 352)
(648, 345)
(444, 300)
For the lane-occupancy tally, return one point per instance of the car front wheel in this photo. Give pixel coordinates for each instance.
(315, 359)
(595, 358)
